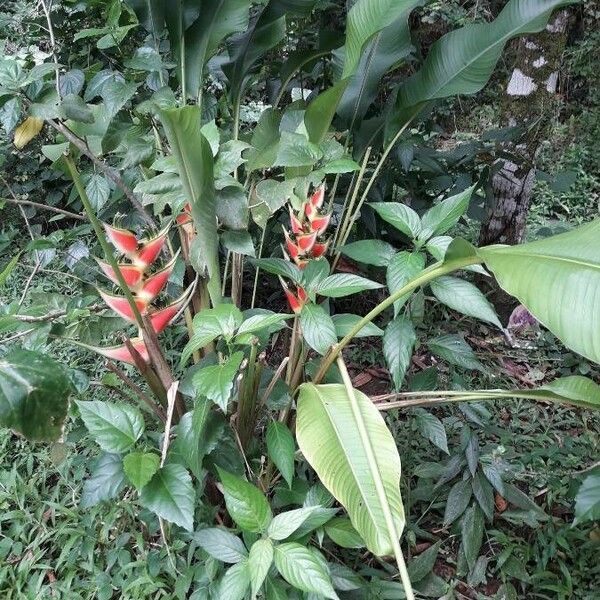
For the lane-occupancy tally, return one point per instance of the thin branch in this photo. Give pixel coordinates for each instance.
(47, 8)
(53, 314)
(108, 171)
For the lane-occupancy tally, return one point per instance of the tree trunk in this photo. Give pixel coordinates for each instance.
(530, 100)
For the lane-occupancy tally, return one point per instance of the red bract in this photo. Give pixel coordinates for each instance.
(303, 243)
(144, 287)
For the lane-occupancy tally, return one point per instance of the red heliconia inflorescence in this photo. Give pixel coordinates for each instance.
(144, 287)
(305, 241)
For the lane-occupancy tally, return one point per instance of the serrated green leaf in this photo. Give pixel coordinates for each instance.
(140, 467)
(286, 523)
(455, 350)
(341, 531)
(457, 502)
(400, 216)
(317, 326)
(345, 284)
(216, 382)
(106, 481)
(403, 267)
(114, 427)
(259, 563)
(398, 343)
(370, 252)
(441, 217)
(344, 322)
(221, 544)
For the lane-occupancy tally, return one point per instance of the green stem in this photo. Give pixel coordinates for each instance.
(108, 253)
(374, 468)
(425, 277)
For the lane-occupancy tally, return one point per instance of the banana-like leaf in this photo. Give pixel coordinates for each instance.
(558, 280)
(365, 19)
(329, 438)
(195, 165)
(386, 49)
(150, 13)
(218, 19)
(462, 61)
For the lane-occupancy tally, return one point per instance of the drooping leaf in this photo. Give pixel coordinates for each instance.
(170, 494)
(317, 326)
(558, 280)
(341, 531)
(420, 566)
(344, 322)
(345, 284)
(140, 467)
(370, 252)
(285, 524)
(106, 481)
(587, 501)
(259, 563)
(462, 61)
(246, 504)
(455, 350)
(457, 502)
(464, 297)
(221, 544)
(441, 217)
(34, 394)
(472, 527)
(299, 567)
(400, 216)
(114, 427)
(216, 382)
(398, 343)
(281, 448)
(329, 438)
(432, 428)
(195, 165)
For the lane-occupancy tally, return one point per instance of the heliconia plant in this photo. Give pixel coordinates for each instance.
(305, 241)
(144, 286)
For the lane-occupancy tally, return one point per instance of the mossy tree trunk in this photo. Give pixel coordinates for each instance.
(530, 101)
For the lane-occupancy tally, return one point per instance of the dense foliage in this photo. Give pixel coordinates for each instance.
(221, 219)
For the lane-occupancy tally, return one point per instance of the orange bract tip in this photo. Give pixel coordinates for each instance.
(163, 317)
(310, 211)
(320, 223)
(122, 239)
(292, 249)
(295, 223)
(121, 306)
(131, 274)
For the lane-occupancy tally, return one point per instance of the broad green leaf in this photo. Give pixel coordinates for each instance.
(329, 438)
(286, 523)
(403, 267)
(299, 567)
(587, 501)
(381, 53)
(484, 494)
(341, 531)
(76, 109)
(345, 322)
(420, 566)
(230, 157)
(318, 329)
(558, 280)
(462, 61)
(400, 216)
(340, 165)
(216, 21)
(370, 252)
(259, 563)
(170, 494)
(34, 395)
(262, 321)
(106, 481)
(472, 528)
(398, 343)
(295, 150)
(216, 382)
(116, 94)
(235, 582)
(432, 428)
(209, 324)
(457, 502)
(321, 110)
(464, 297)
(195, 166)
(365, 19)
(246, 504)
(455, 350)
(315, 520)
(140, 467)
(264, 141)
(281, 448)
(278, 266)
(114, 427)
(345, 284)
(441, 217)
(221, 544)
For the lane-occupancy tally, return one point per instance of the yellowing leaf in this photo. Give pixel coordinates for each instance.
(27, 130)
